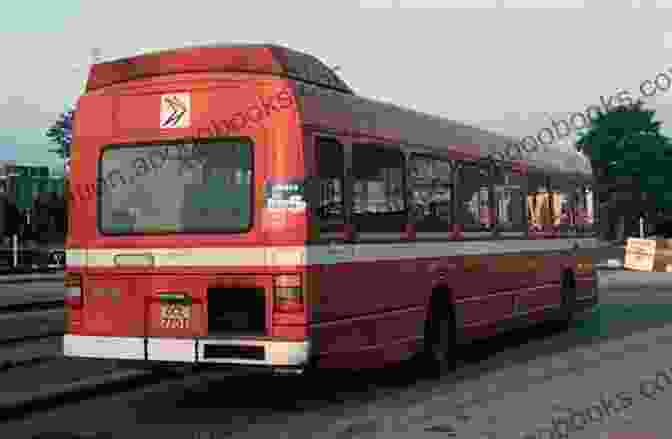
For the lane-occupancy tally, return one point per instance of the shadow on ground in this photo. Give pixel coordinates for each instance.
(234, 401)
(251, 398)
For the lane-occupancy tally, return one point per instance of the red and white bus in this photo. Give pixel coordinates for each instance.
(246, 207)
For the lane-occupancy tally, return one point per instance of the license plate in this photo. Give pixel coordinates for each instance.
(175, 315)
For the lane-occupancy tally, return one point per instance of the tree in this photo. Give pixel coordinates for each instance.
(60, 133)
(627, 150)
(40, 221)
(58, 214)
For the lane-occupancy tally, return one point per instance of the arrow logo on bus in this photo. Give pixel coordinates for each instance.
(178, 108)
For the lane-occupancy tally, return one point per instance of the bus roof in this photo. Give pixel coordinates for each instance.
(392, 122)
(266, 59)
(336, 99)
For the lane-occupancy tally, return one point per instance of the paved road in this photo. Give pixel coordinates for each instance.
(13, 325)
(19, 325)
(506, 387)
(613, 252)
(35, 323)
(16, 293)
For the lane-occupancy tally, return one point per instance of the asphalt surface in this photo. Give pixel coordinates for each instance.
(614, 253)
(506, 387)
(30, 292)
(29, 322)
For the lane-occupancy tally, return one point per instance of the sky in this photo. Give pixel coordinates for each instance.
(509, 66)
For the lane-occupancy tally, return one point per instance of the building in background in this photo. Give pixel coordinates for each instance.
(31, 204)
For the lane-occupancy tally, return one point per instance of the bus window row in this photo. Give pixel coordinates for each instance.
(388, 189)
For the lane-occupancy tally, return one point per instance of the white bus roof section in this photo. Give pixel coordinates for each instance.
(374, 118)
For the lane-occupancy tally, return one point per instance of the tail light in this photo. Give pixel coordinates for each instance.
(73, 290)
(288, 293)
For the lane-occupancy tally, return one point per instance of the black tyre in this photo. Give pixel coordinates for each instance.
(439, 351)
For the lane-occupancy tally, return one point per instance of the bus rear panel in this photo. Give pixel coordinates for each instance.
(187, 222)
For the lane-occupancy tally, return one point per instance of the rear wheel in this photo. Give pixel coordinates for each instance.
(439, 350)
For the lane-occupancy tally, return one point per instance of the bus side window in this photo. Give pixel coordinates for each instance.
(473, 191)
(330, 169)
(378, 199)
(378, 180)
(510, 190)
(431, 188)
(539, 213)
(585, 211)
(563, 204)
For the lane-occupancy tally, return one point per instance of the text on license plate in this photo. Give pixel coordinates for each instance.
(175, 315)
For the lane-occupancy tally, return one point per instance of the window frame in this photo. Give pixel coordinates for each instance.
(333, 224)
(500, 170)
(533, 177)
(470, 229)
(568, 185)
(101, 185)
(379, 222)
(588, 229)
(425, 225)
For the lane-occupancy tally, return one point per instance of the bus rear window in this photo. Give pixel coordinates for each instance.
(176, 188)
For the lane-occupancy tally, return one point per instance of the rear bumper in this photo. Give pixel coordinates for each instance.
(251, 352)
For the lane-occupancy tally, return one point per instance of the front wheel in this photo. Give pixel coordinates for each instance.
(568, 299)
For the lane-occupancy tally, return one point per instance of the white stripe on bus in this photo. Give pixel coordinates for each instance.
(318, 254)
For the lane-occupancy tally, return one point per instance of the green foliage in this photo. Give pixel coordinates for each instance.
(623, 129)
(626, 141)
(60, 133)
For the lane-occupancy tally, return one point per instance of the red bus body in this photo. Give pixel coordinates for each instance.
(283, 290)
